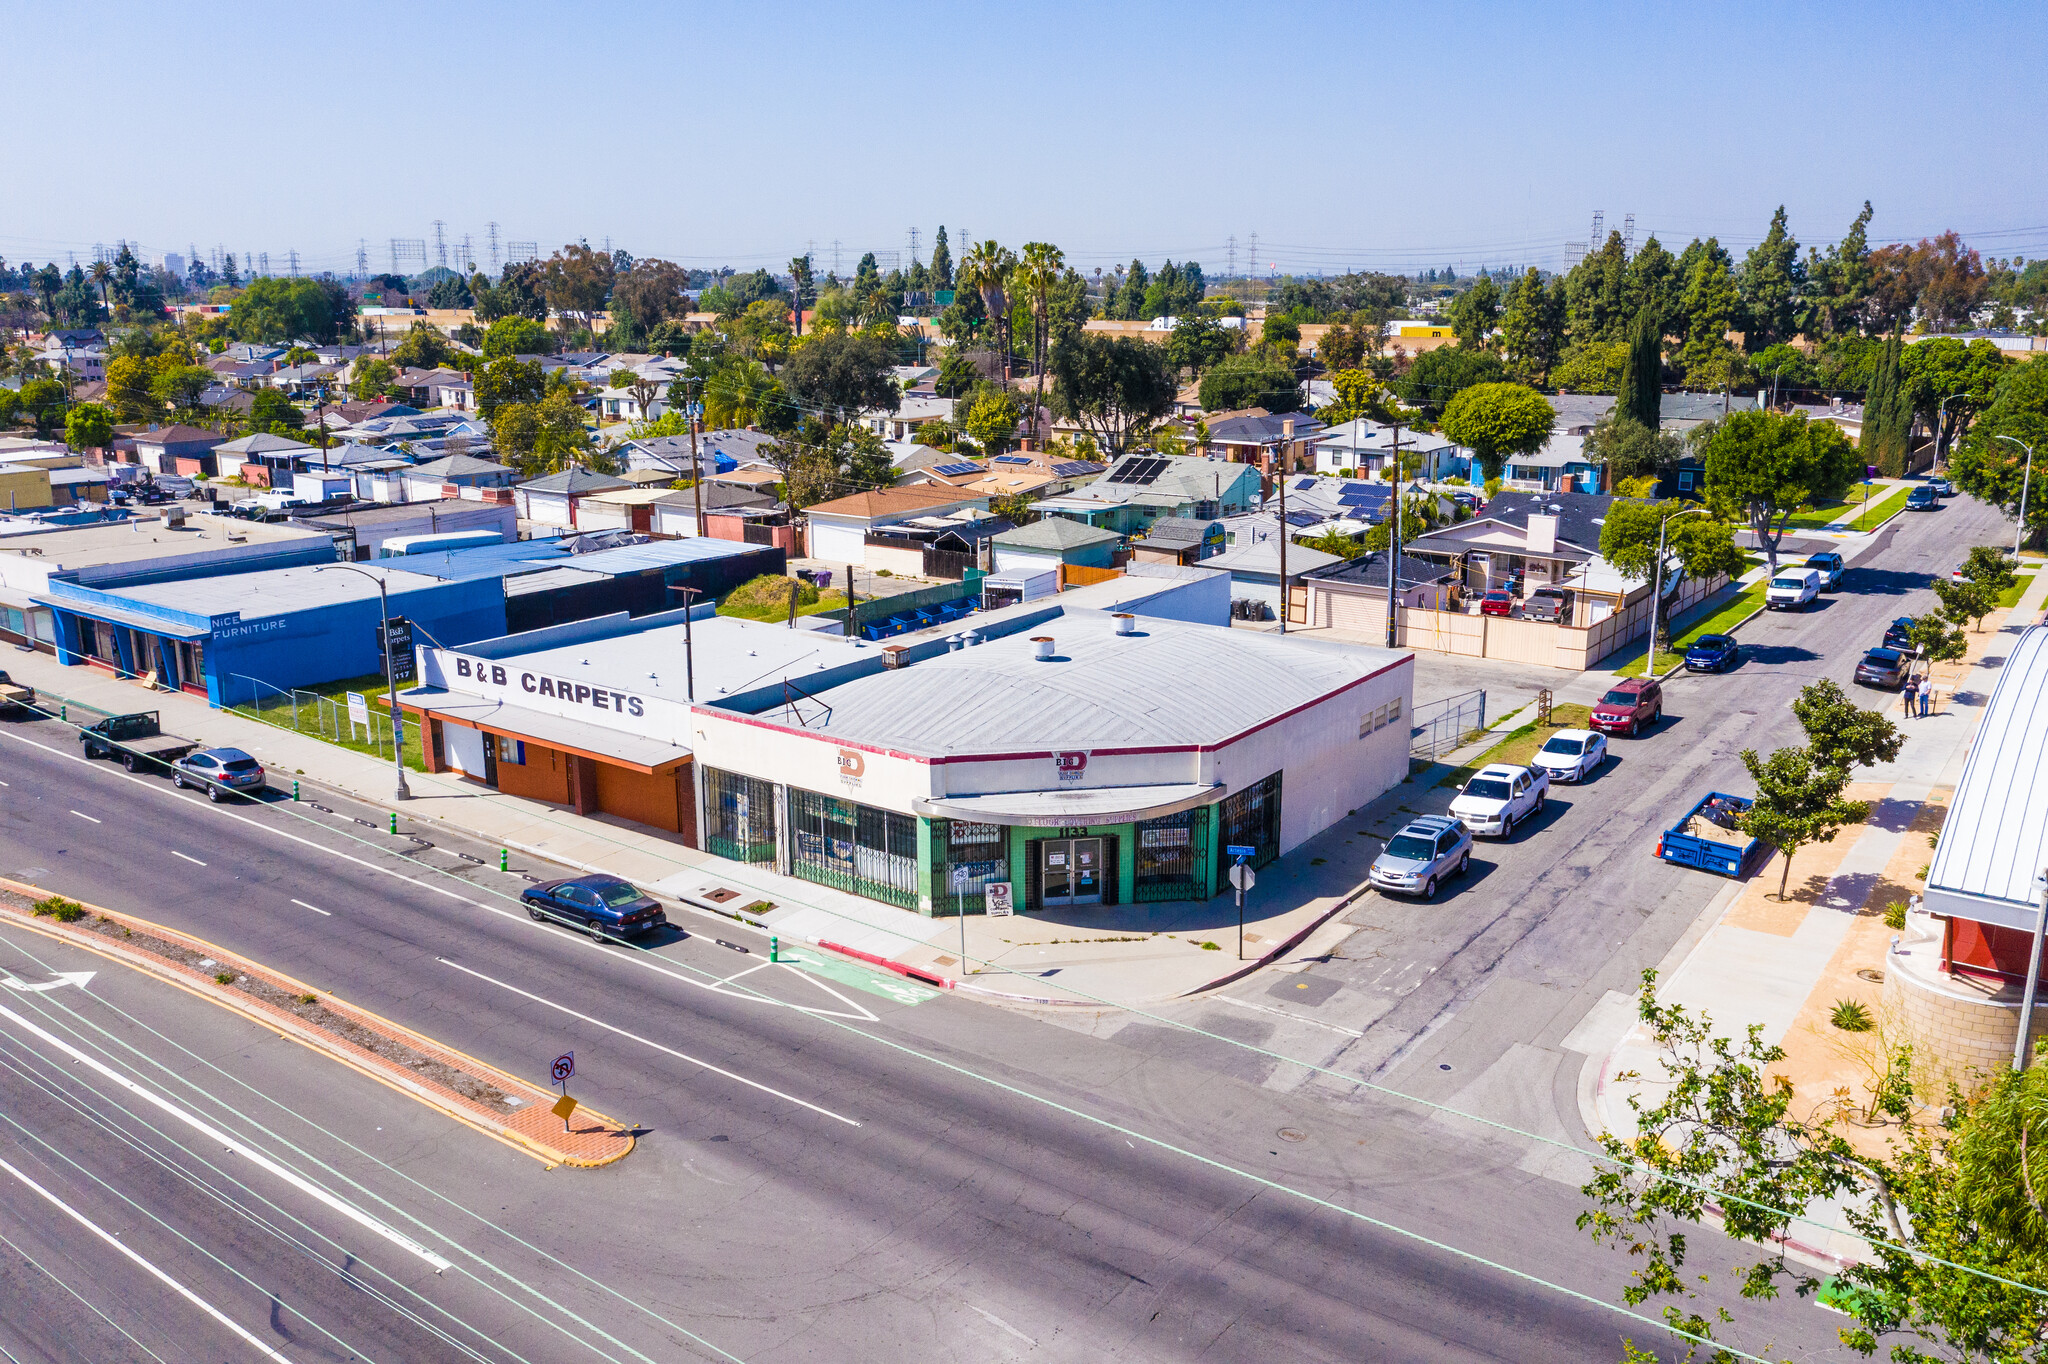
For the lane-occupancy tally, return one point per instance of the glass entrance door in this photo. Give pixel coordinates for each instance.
(1070, 871)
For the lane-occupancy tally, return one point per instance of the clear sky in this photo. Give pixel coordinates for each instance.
(1344, 135)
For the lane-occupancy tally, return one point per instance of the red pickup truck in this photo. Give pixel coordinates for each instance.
(1629, 707)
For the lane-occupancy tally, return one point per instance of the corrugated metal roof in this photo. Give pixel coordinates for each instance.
(661, 554)
(1171, 683)
(1995, 839)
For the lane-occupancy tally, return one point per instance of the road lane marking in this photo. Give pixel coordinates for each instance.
(1292, 1017)
(166, 1280)
(193, 860)
(315, 908)
(83, 815)
(231, 1144)
(1004, 1324)
(646, 1042)
(78, 978)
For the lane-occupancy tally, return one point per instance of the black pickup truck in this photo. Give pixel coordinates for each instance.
(138, 739)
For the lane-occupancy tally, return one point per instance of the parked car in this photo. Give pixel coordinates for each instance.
(1922, 498)
(220, 772)
(1427, 852)
(1496, 603)
(1572, 755)
(1941, 487)
(1830, 567)
(1629, 706)
(15, 697)
(1883, 668)
(1500, 796)
(1471, 502)
(138, 740)
(1899, 634)
(1713, 654)
(1792, 589)
(1549, 603)
(600, 905)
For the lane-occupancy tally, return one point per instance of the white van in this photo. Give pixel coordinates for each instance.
(1792, 589)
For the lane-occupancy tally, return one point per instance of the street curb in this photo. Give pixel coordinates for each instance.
(1284, 948)
(285, 1025)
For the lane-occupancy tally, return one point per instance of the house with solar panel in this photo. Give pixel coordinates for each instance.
(1367, 447)
(1138, 489)
(844, 528)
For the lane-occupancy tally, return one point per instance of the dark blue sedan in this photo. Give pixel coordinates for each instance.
(1899, 634)
(1713, 654)
(602, 906)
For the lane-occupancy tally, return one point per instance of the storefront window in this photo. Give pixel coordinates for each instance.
(1251, 818)
(740, 815)
(966, 857)
(853, 847)
(1169, 857)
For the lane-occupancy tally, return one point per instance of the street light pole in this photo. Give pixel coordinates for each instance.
(1657, 586)
(403, 792)
(2019, 536)
(2019, 1048)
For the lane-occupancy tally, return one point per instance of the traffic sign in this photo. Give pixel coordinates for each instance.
(1243, 877)
(996, 897)
(563, 1068)
(563, 1107)
(1241, 850)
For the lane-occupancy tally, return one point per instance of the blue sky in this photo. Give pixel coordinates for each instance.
(1344, 135)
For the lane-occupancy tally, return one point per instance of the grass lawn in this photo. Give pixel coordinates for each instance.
(1520, 745)
(1718, 621)
(322, 713)
(833, 599)
(1827, 513)
(1880, 513)
(2011, 595)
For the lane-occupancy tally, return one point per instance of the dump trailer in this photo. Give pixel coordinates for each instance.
(1707, 838)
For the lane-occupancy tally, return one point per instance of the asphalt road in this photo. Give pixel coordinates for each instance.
(860, 1178)
(1470, 996)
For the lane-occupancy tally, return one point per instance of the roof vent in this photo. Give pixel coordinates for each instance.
(1043, 646)
(970, 638)
(1126, 623)
(893, 655)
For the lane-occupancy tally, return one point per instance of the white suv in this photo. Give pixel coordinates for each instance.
(1498, 797)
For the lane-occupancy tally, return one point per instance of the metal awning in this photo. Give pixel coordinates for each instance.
(1087, 805)
(552, 731)
(134, 620)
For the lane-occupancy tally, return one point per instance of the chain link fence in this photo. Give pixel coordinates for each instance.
(322, 717)
(1438, 727)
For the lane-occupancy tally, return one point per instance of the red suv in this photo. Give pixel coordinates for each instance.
(1628, 707)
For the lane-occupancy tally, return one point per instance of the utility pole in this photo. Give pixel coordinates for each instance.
(1394, 549)
(1285, 431)
(696, 470)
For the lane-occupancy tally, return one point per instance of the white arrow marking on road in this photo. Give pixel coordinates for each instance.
(83, 815)
(193, 860)
(78, 978)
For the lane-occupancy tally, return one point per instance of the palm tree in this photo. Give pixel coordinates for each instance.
(735, 395)
(1037, 273)
(986, 270)
(102, 275)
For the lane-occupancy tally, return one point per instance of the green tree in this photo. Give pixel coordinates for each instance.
(986, 270)
(1798, 801)
(942, 261)
(1359, 394)
(840, 376)
(1631, 450)
(1112, 385)
(424, 347)
(506, 381)
(1593, 367)
(1770, 287)
(1421, 512)
(1495, 421)
(275, 308)
(1255, 378)
(1702, 545)
(991, 421)
(44, 400)
(89, 426)
(272, 411)
(1474, 313)
(10, 407)
(1838, 283)
(1711, 307)
(1937, 637)
(1965, 600)
(178, 386)
(744, 393)
(516, 334)
(1842, 734)
(1198, 344)
(576, 281)
(1764, 466)
(1532, 327)
(1888, 414)
(1641, 384)
(1990, 567)
(1037, 274)
(561, 440)
(515, 431)
(1438, 376)
(373, 379)
(128, 389)
(1782, 367)
(1994, 470)
(1949, 382)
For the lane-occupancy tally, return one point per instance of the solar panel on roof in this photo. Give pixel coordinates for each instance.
(1141, 470)
(1073, 467)
(1013, 459)
(1297, 518)
(1302, 485)
(955, 470)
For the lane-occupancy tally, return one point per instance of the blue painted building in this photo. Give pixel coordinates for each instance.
(230, 635)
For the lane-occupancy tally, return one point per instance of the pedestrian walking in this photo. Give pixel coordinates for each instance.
(1926, 696)
(1911, 692)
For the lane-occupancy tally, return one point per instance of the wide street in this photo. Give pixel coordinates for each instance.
(827, 1171)
(1469, 1000)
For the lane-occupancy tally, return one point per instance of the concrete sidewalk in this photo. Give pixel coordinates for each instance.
(1094, 956)
(1784, 964)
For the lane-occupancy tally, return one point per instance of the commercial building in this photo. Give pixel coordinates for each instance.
(1079, 755)
(232, 635)
(366, 532)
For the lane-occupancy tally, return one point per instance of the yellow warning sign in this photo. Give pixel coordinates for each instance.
(564, 1106)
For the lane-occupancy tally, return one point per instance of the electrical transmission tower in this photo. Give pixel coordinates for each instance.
(1230, 257)
(1594, 241)
(292, 261)
(520, 252)
(362, 259)
(835, 255)
(264, 267)
(407, 249)
(494, 248)
(1628, 235)
(468, 256)
(440, 246)
(914, 257)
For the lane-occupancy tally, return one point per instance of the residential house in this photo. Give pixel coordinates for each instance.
(1351, 595)
(912, 413)
(675, 511)
(551, 501)
(1536, 539)
(1179, 540)
(436, 478)
(1254, 569)
(840, 530)
(671, 457)
(1052, 541)
(1275, 444)
(183, 450)
(260, 457)
(1138, 489)
(1367, 447)
(1562, 465)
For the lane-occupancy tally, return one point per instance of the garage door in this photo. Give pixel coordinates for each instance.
(464, 749)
